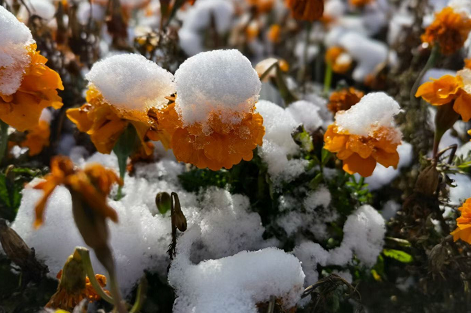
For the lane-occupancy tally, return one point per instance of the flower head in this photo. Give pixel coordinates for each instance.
(344, 99)
(339, 59)
(450, 89)
(38, 137)
(27, 85)
(74, 285)
(467, 63)
(360, 3)
(449, 30)
(306, 10)
(212, 122)
(274, 33)
(365, 135)
(463, 229)
(93, 184)
(123, 90)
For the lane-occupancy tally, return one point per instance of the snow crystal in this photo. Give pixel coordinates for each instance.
(374, 110)
(131, 82)
(363, 236)
(305, 113)
(14, 38)
(278, 146)
(216, 80)
(236, 283)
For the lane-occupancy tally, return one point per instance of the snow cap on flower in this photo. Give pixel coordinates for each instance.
(216, 81)
(15, 37)
(374, 110)
(131, 82)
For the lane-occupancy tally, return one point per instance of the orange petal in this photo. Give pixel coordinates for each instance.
(356, 164)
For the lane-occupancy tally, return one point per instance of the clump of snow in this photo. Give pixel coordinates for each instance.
(131, 82)
(363, 236)
(374, 110)
(462, 6)
(140, 240)
(233, 284)
(216, 81)
(14, 58)
(42, 8)
(198, 18)
(390, 209)
(320, 197)
(382, 176)
(278, 145)
(305, 113)
(368, 53)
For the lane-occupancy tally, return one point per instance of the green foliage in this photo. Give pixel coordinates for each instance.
(11, 185)
(196, 179)
(359, 190)
(398, 255)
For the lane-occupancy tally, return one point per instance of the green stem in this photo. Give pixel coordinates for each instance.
(327, 78)
(434, 55)
(85, 254)
(122, 163)
(3, 139)
(141, 296)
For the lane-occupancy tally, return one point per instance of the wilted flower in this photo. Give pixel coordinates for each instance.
(27, 85)
(74, 285)
(123, 90)
(339, 59)
(449, 30)
(463, 230)
(306, 10)
(450, 89)
(213, 122)
(364, 135)
(344, 99)
(90, 186)
(262, 67)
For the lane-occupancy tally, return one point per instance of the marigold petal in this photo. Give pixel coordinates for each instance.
(462, 106)
(357, 164)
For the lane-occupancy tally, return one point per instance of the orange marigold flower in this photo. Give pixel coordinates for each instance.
(450, 89)
(339, 59)
(37, 138)
(274, 33)
(123, 90)
(74, 285)
(215, 144)
(360, 3)
(37, 91)
(467, 63)
(306, 10)
(93, 184)
(344, 99)
(463, 229)
(360, 154)
(449, 30)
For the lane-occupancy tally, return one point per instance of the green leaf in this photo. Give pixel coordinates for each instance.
(315, 181)
(398, 255)
(325, 156)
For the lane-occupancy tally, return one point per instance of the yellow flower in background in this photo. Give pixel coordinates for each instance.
(467, 63)
(225, 146)
(93, 184)
(274, 33)
(449, 30)
(463, 229)
(344, 99)
(450, 89)
(74, 285)
(37, 91)
(339, 59)
(37, 138)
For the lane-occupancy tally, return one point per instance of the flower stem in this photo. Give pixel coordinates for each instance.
(434, 55)
(3, 139)
(327, 78)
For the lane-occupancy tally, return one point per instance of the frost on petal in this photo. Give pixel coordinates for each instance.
(14, 58)
(373, 111)
(216, 81)
(131, 82)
